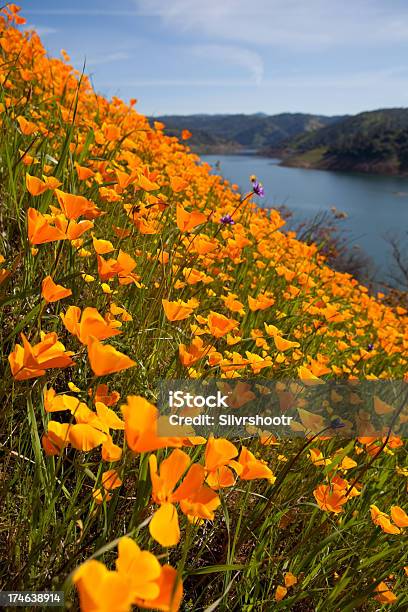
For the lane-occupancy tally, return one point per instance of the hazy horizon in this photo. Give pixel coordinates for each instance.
(368, 110)
(185, 57)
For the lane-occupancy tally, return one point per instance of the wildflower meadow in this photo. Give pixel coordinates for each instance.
(125, 262)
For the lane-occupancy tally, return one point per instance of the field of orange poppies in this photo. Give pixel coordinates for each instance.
(123, 261)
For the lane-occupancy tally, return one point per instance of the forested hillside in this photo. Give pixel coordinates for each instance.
(374, 141)
(219, 133)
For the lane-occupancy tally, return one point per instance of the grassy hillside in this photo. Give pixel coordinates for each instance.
(123, 261)
(219, 133)
(374, 141)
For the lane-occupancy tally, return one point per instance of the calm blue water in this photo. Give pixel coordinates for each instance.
(375, 205)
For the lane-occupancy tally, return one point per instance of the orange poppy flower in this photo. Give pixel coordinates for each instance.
(110, 451)
(253, 468)
(141, 567)
(202, 244)
(102, 246)
(290, 579)
(110, 195)
(232, 303)
(110, 480)
(317, 458)
(141, 426)
(329, 499)
(52, 292)
(56, 438)
(27, 127)
(102, 589)
(178, 184)
(146, 184)
(262, 302)
(155, 587)
(40, 229)
(121, 267)
(196, 500)
(84, 437)
(74, 206)
(341, 484)
(28, 361)
(139, 579)
(27, 159)
(284, 345)
(89, 323)
(55, 403)
(35, 186)
(179, 310)
(51, 181)
(280, 592)
(219, 454)
(111, 132)
(105, 359)
(83, 172)
(257, 362)
(116, 310)
(187, 221)
(385, 595)
(108, 417)
(106, 268)
(72, 229)
(271, 330)
(399, 516)
(194, 352)
(171, 471)
(394, 442)
(171, 592)
(124, 179)
(164, 526)
(219, 325)
(201, 504)
(383, 520)
(307, 377)
(239, 394)
(102, 394)
(3, 273)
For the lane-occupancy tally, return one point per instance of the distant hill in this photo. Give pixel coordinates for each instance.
(232, 133)
(375, 142)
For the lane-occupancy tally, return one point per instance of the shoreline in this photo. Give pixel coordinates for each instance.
(287, 162)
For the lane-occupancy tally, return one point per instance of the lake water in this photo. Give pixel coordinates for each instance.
(376, 206)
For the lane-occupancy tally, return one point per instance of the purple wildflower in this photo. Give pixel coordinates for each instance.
(258, 189)
(227, 220)
(370, 347)
(337, 423)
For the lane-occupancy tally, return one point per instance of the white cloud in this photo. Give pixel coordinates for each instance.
(177, 83)
(85, 12)
(118, 56)
(98, 59)
(290, 24)
(396, 77)
(238, 56)
(41, 30)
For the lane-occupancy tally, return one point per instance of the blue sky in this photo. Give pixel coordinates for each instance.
(230, 56)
